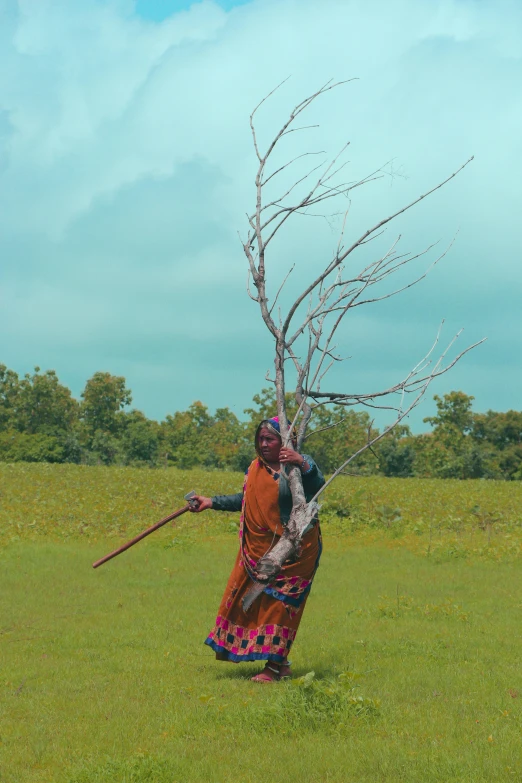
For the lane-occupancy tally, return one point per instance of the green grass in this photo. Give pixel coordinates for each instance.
(412, 630)
(104, 676)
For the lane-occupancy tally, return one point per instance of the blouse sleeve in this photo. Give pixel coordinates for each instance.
(312, 481)
(227, 502)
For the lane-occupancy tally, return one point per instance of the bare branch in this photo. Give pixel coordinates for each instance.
(254, 298)
(282, 286)
(408, 385)
(329, 298)
(295, 113)
(338, 260)
(285, 166)
(303, 127)
(255, 110)
(401, 415)
(328, 427)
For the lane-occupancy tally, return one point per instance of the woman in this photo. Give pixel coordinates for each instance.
(266, 632)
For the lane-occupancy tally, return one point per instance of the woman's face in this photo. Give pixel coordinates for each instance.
(269, 445)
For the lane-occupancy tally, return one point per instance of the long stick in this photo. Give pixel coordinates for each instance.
(141, 535)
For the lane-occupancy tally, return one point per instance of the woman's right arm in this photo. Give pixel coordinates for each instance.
(219, 502)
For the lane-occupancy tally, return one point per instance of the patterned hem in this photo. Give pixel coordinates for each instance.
(266, 642)
(253, 656)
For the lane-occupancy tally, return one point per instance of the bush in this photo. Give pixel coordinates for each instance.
(23, 447)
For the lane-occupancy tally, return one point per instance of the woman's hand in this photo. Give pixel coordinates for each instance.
(288, 456)
(202, 503)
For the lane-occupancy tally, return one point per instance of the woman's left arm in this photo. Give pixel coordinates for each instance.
(313, 479)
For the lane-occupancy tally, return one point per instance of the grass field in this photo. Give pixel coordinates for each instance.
(413, 630)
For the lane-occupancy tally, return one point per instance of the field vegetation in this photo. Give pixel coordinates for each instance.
(428, 516)
(407, 663)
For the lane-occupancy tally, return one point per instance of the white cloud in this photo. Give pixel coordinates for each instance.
(127, 166)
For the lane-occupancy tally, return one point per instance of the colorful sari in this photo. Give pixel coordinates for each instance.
(268, 629)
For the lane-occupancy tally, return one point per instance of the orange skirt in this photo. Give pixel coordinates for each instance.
(268, 629)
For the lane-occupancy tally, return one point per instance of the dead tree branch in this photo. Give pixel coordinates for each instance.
(316, 313)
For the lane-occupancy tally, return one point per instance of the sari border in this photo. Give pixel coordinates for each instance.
(253, 656)
(287, 599)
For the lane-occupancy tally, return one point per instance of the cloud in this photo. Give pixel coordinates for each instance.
(126, 168)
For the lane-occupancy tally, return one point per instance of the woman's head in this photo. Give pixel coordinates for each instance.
(268, 440)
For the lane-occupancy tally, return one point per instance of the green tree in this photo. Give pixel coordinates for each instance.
(44, 405)
(499, 436)
(105, 449)
(104, 396)
(181, 436)
(233, 447)
(38, 416)
(499, 429)
(9, 391)
(140, 439)
(337, 431)
(396, 452)
(454, 415)
(195, 437)
(449, 452)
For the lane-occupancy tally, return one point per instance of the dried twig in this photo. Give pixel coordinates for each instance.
(330, 296)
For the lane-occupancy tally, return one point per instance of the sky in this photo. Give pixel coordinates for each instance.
(127, 168)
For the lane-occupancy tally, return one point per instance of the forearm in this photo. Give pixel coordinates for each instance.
(313, 479)
(227, 502)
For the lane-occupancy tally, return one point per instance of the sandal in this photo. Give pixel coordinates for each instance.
(285, 672)
(273, 672)
(269, 674)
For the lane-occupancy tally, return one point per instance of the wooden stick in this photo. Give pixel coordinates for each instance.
(141, 535)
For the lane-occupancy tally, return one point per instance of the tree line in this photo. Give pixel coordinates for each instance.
(40, 421)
